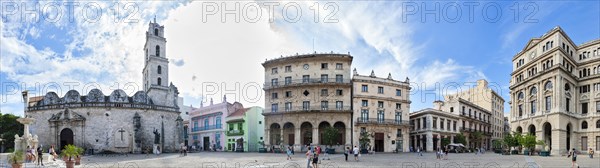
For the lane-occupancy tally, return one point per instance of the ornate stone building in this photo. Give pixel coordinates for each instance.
(555, 92)
(304, 95)
(116, 122)
(380, 109)
(484, 96)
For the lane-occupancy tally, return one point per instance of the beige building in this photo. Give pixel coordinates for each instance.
(484, 96)
(448, 118)
(555, 92)
(381, 107)
(304, 95)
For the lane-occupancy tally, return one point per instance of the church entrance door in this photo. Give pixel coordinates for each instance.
(66, 138)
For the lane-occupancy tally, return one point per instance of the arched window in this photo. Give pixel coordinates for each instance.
(584, 125)
(158, 81)
(157, 51)
(520, 96)
(156, 32)
(548, 85)
(159, 69)
(598, 124)
(533, 91)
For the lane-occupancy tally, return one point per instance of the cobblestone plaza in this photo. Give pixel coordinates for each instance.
(270, 160)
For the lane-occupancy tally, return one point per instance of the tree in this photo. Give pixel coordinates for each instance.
(365, 140)
(10, 127)
(330, 136)
(445, 141)
(460, 138)
(543, 144)
(477, 138)
(528, 141)
(496, 144)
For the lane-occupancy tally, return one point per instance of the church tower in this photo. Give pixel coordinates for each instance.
(156, 69)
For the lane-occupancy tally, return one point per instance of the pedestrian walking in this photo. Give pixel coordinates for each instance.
(591, 152)
(355, 151)
(420, 151)
(316, 159)
(445, 153)
(573, 156)
(346, 152)
(40, 152)
(289, 153)
(317, 153)
(308, 157)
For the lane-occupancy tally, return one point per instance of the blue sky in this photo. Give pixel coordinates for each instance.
(384, 36)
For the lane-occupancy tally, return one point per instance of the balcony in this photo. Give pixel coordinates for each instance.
(294, 109)
(210, 127)
(309, 81)
(398, 135)
(361, 120)
(235, 132)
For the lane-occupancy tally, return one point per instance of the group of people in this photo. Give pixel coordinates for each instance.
(441, 153)
(33, 155)
(184, 150)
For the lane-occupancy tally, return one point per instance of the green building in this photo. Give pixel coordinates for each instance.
(245, 128)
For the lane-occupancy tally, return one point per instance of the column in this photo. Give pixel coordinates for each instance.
(297, 141)
(315, 136)
(429, 141)
(451, 138)
(267, 138)
(281, 137)
(348, 136)
(439, 142)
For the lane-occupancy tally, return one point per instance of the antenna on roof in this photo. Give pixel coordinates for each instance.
(314, 45)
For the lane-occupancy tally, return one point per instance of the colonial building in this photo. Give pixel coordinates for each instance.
(207, 124)
(555, 92)
(304, 95)
(245, 129)
(453, 116)
(380, 108)
(116, 122)
(483, 96)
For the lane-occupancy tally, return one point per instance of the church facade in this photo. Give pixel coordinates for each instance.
(115, 122)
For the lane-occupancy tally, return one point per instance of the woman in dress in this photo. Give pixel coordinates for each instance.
(52, 153)
(289, 153)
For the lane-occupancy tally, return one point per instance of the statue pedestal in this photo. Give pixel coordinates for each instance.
(155, 149)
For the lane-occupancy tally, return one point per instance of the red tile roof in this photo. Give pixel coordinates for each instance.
(239, 112)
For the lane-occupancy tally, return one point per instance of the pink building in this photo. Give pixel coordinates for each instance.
(207, 125)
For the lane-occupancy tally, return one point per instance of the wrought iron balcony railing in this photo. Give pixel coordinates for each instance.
(361, 120)
(210, 127)
(307, 81)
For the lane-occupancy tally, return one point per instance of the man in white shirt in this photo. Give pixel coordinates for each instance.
(355, 151)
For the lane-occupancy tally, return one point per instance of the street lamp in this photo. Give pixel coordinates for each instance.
(25, 100)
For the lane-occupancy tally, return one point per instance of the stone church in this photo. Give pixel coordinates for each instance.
(115, 122)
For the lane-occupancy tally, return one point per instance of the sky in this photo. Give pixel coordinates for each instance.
(216, 48)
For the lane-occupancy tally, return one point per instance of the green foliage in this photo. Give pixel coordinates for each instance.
(261, 143)
(477, 137)
(10, 127)
(528, 141)
(445, 141)
(510, 140)
(330, 135)
(71, 151)
(542, 143)
(496, 144)
(460, 138)
(364, 140)
(16, 158)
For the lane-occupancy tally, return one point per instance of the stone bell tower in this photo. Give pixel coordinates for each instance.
(156, 69)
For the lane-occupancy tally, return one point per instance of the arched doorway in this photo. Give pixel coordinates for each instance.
(288, 134)
(568, 138)
(66, 138)
(341, 127)
(532, 130)
(275, 134)
(547, 134)
(322, 126)
(306, 132)
(519, 130)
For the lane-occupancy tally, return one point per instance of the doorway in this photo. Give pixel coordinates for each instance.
(379, 142)
(66, 138)
(206, 143)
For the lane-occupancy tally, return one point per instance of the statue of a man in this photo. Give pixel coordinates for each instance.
(156, 137)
